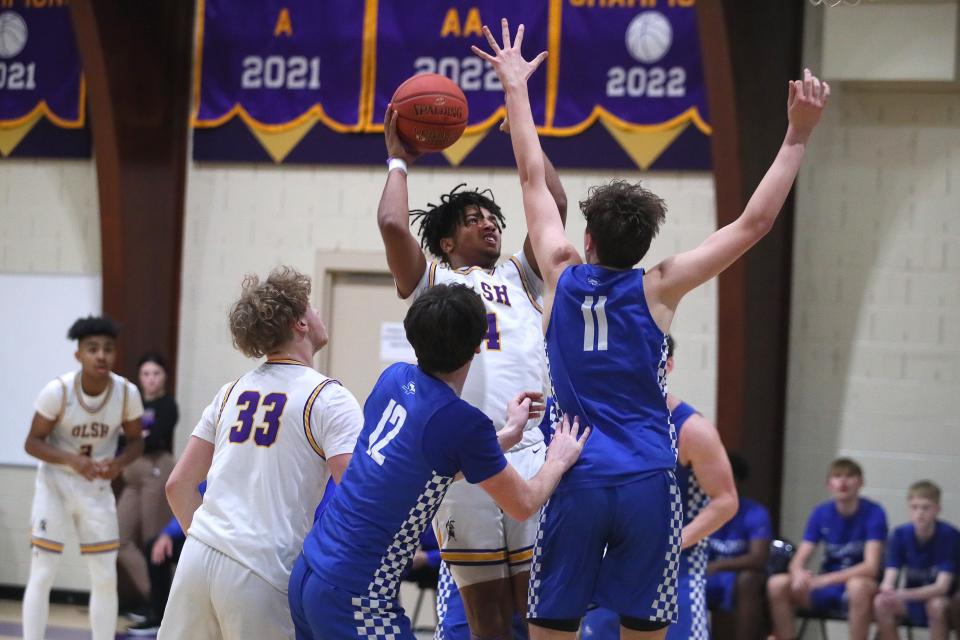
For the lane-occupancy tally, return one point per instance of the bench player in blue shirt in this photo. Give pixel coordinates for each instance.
(417, 436)
(924, 553)
(852, 530)
(738, 555)
(605, 326)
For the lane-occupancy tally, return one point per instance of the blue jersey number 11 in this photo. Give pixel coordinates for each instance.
(594, 323)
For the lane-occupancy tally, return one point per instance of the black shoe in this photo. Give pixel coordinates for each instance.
(137, 616)
(148, 627)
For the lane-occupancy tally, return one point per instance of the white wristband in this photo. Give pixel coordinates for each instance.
(397, 163)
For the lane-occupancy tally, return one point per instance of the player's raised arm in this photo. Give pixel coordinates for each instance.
(545, 227)
(404, 256)
(681, 273)
(555, 187)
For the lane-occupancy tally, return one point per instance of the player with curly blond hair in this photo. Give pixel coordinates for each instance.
(266, 445)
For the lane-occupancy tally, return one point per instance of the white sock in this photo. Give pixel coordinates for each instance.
(36, 599)
(103, 594)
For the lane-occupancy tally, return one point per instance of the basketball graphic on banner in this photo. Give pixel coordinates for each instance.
(649, 37)
(13, 34)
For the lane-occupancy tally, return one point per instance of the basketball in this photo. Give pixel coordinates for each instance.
(649, 37)
(431, 112)
(13, 34)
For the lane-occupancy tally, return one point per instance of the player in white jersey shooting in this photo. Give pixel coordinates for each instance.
(74, 434)
(267, 445)
(488, 552)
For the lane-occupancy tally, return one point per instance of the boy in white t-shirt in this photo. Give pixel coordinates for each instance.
(74, 434)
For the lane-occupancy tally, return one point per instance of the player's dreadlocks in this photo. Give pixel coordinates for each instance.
(441, 220)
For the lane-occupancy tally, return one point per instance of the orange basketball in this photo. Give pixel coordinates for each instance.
(431, 112)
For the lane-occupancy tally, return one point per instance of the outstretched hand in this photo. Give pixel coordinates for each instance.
(507, 61)
(805, 104)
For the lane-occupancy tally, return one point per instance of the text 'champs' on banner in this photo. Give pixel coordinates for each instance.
(279, 63)
(40, 70)
(632, 63)
(435, 37)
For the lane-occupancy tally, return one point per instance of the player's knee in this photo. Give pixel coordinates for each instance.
(749, 582)
(778, 586)
(937, 609)
(43, 569)
(103, 570)
(882, 608)
(860, 590)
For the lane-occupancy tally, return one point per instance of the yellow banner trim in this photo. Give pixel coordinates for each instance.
(315, 112)
(43, 109)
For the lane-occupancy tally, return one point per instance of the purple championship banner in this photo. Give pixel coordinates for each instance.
(42, 90)
(308, 81)
(277, 63)
(638, 69)
(436, 38)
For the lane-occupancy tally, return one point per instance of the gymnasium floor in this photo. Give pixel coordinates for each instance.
(70, 622)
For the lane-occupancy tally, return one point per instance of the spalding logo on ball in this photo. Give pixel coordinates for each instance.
(649, 37)
(431, 112)
(13, 34)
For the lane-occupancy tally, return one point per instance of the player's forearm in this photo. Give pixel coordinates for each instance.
(40, 449)
(746, 562)
(132, 450)
(393, 213)
(938, 588)
(184, 500)
(523, 135)
(539, 489)
(860, 570)
(767, 200)
(721, 508)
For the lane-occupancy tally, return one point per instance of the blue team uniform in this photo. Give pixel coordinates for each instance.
(610, 534)
(451, 617)
(751, 522)
(417, 436)
(921, 562)
(844, 539)
(692, 623)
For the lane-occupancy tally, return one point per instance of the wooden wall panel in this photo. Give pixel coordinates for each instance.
(137, 57)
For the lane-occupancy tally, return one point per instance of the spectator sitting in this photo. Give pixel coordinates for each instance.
(924, 551)
(737, 567)
(853, 530)
(162, 554)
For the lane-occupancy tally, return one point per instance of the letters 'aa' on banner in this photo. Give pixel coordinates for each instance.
(622, 86)
(40, 71)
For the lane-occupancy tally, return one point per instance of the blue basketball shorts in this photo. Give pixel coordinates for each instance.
(829, 599)
(614, 547)
(722, 590)
(321, 610)
(917, 614)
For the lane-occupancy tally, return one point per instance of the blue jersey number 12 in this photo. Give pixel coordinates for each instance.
(394, 414)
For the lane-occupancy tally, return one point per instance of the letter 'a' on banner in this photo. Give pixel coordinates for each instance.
(436, 38)
(281, 67)
(40, 70)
